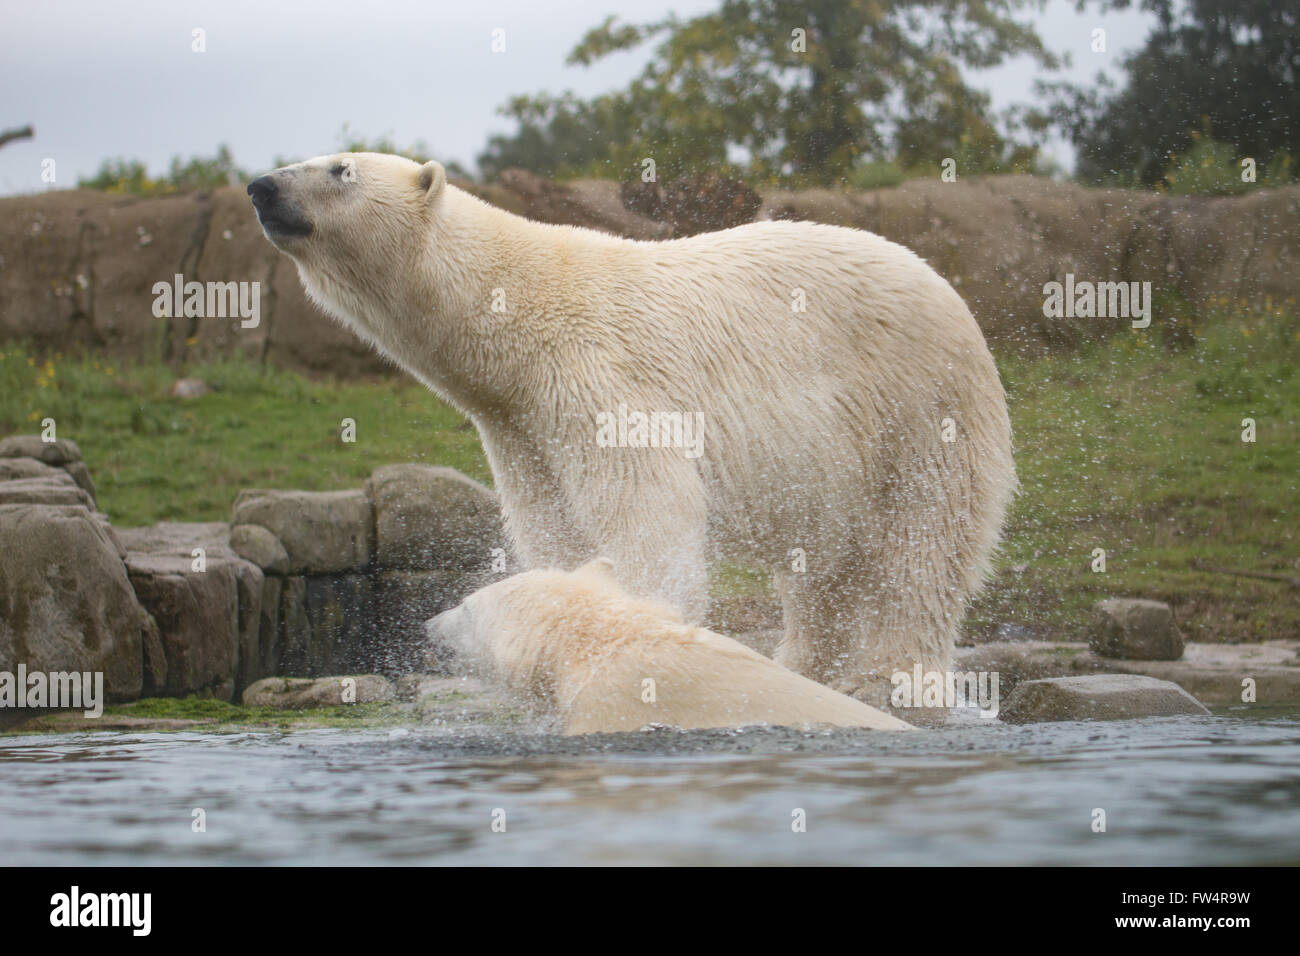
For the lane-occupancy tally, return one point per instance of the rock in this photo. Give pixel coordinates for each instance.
(1213, 673)
(60, 452)
(329, 627)
(66, 602)
(81, 475)
(188, 388)
(427, 517)
(197, 613)
(75, 723)
(267, 659)
(13, 469)
(323, 532)
(257, 544)
(301, 693)
(403, 601)
(155, 659)
(1097, 697)
(45, 491)
(1136, 630)
(362, 622)
(1017, 661)
(210, 620)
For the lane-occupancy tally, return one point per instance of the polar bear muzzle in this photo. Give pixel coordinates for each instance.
(281, 219)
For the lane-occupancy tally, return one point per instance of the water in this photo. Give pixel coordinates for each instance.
(1187, 790)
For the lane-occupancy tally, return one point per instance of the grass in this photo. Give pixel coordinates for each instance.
(224, 717)
(1124, 445)
(1135, 449)
(158, 458)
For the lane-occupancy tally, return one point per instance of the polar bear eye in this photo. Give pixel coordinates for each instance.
(339, 170)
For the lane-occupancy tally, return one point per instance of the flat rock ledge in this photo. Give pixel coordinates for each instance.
(1098, 697)
(1219, 675)
(300, 693)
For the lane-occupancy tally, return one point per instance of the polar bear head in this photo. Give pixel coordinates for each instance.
(529, 630)
(350, 209)
(359, 227)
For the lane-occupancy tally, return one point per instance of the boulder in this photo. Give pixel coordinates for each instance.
(14, 469)
(208, 613)
(404, 601)
(81, 475)
(61, 490)
(1097, 697)
(428, 517)
(301, 693)
(60, 452)
(197, 614)
(1136, 630)
(27, 456)
(323, 532)
(66, 602)
(257, 544)
(328, 626)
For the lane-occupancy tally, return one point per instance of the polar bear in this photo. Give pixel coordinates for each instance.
(575, 645)
(812, 399)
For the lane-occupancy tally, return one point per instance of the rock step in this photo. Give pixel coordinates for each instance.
(1097, 697)
(1212, 673)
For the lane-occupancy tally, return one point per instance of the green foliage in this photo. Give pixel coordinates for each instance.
(1225, 65)
(131, 177)
(1133, 447)
(1208, 168)
(155, 457)
(740, 91)
(875, 174)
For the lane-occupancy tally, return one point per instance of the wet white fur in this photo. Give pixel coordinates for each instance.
(576, 646)
(823, 428)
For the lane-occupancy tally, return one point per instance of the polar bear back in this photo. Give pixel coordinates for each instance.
(705, 680)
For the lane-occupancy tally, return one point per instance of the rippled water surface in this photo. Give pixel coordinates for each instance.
(1205, 790)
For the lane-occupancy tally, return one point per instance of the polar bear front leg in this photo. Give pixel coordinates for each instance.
(652, 523)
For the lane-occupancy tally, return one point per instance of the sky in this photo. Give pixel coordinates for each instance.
(99, 78)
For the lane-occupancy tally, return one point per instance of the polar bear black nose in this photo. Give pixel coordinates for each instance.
(262, 189)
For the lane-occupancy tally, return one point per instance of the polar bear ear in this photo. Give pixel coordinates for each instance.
(598, 567)
(431, 180)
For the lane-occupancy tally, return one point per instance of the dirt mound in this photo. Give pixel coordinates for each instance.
(78, 268)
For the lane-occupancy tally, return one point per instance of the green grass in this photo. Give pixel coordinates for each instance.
(1136, 449)
(1124, 445)
(157, 458)
(224, 717)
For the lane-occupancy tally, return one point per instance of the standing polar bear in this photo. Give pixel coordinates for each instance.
(822, 402)
(576, 646)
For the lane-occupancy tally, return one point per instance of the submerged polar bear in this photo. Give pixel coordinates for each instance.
(575, 645)
(855, 434)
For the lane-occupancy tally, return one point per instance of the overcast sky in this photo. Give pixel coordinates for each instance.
(99, 78)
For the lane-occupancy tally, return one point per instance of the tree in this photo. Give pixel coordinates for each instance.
(801, 90)
(131, 176)
(1229, 69)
